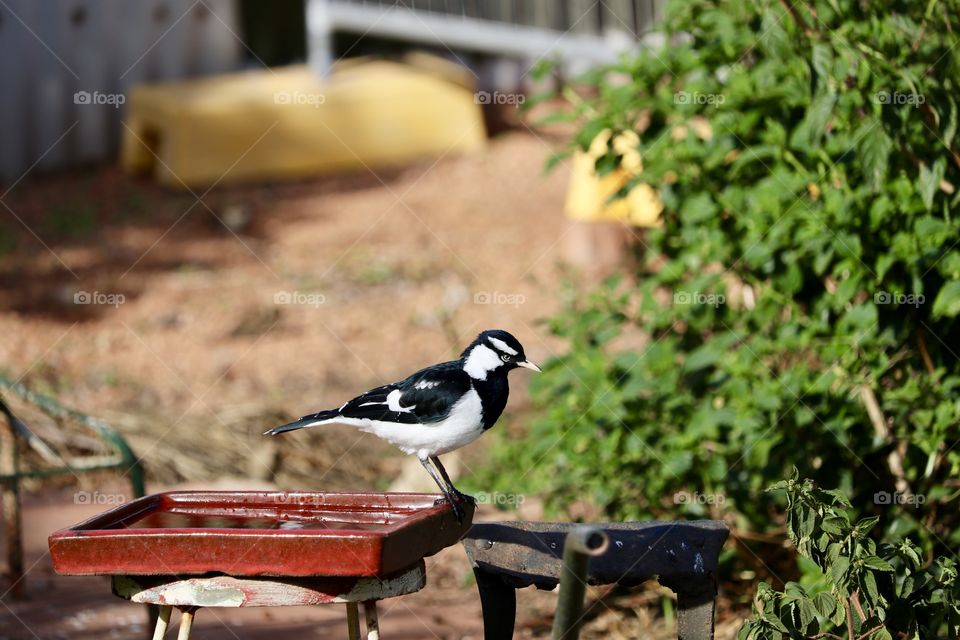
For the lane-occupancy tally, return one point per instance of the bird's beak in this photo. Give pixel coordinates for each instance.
(526, 364)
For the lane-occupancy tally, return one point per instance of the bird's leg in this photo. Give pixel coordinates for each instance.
(443, 472)
(457, 509)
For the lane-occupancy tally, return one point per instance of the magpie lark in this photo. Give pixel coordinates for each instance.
(437, 409)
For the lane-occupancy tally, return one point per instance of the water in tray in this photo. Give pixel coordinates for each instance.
(332, 520)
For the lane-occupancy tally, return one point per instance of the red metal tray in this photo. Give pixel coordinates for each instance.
(260, 533)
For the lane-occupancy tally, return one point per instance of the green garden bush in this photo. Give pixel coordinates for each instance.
(860, 589)
(798, 306)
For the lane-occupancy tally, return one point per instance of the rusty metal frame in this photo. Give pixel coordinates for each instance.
(682, 556)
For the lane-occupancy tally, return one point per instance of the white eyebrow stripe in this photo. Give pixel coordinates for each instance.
(503, 346)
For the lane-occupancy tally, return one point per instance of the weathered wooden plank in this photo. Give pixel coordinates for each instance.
(227, 591)
(212, 33)
(51, 83)
(86, 44)
(617, 16)
(14, 71)
(582, 16)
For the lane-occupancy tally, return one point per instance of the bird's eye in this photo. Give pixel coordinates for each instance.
(505, 358)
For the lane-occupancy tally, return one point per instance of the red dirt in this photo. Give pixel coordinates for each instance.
(199, 359)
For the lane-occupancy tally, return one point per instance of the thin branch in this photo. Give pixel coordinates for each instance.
(871, 631)
(846, 606)
(924, 354)
(931, 119)
(771, 538)
(895, 459)
(855, 599)
(796, 18)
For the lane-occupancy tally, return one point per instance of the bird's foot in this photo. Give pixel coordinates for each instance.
(457, 509)
(466, 498)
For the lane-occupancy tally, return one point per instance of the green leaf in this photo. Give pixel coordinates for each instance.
(869, 583)
(590, 131)
(874, 147)
(877, 563)
(825, 604)
(864, 525)
(821, 60)
(818, 115)
(698, 208)
(929, 181)
(947, 302)
(839, 615)
(835, 525)
(701, 358)
(807, 613)
(838, 572)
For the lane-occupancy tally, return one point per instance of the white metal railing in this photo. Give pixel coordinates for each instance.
(577, 33)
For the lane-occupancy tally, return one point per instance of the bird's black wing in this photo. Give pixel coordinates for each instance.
(426, 396)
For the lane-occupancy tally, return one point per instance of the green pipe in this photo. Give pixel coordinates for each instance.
(580, 545)
(129, 462)
(46, 473)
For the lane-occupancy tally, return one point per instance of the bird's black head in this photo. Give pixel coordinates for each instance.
(494, 350)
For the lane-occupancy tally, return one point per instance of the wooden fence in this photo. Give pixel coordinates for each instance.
(65, 66)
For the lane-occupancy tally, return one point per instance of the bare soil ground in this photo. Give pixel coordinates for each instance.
(216, 317)
(263, 303)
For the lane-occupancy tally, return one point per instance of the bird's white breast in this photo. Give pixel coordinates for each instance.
(460, 428)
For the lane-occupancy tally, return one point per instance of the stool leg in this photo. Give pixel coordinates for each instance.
(162, 622)
(186, 623)
(353, 621)
(373, 625)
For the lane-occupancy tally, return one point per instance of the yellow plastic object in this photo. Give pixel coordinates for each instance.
(287, 123)
(589, 194)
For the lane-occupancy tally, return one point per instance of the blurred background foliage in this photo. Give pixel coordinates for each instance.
(797, 306)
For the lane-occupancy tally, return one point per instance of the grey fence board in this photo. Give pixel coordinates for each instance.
(13, 44)
(108, 46)
(100, 47)
(54, 90)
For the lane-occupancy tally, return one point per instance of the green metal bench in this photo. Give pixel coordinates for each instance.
(13, 429)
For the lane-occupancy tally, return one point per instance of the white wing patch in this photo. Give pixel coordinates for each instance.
(503, 346)
(427, 384)
(393, 402)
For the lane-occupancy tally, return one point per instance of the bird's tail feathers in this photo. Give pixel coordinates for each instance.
(313, 420)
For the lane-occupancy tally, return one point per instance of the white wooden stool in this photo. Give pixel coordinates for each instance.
(191, 593)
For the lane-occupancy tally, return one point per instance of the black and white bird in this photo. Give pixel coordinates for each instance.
(437, 409)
